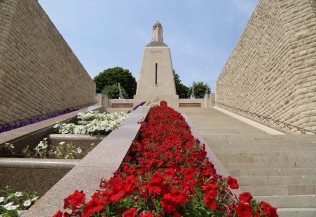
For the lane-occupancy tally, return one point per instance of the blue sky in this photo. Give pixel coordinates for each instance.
(107, 33)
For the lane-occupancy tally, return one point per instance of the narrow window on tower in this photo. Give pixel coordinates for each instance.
(156, 74)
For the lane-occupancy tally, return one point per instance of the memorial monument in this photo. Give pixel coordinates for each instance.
(156, 80)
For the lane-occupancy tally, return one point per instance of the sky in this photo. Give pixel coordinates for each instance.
(201, 34)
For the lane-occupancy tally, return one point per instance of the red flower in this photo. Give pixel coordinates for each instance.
(154, 188)
(210, 189)
(269, 210)
(74, 200)
(157, 177)
(156, 184)
(233, 184)
(94, 205)
(189, 172)
(245, 197)
(178, 197)
(257, 214)
(210, 202)
(132, 212)
(244, 210)
(58, 214)
(147, 214)
(163, 104)
(168, 173)
(168, 154)
(116, 196)
(176, 214)
(167, 204)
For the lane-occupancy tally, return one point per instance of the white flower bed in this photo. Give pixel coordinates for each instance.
(15, 203)
(92, 115)
(103, 123)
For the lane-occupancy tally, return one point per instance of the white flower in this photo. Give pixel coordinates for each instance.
(27, 202)
(1, 199)
(10, 206)
(79, 150)
(18, 194)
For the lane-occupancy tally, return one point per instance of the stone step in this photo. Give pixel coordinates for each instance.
(296, 212)
(225, 143)
(231, 158)
(263, 190)
(273, 172)
(263, 165)
(261, 149)
(276, 180)
(292, 201)
(301, 189)
(271, 153)
(279, 190)
(261, 139)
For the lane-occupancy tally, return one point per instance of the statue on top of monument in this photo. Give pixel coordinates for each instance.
(157, 32)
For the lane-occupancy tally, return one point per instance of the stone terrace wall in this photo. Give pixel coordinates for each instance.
(272, 69)
(39, 73)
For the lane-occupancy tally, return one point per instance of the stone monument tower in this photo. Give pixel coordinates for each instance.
(156, 80)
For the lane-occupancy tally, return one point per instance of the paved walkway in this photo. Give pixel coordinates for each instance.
(280, 169)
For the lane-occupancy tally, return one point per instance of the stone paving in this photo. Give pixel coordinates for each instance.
(279, 169)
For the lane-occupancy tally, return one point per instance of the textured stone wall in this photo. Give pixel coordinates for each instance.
(272, 69)
(39, 73)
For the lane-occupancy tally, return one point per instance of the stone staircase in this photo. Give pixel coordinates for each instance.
(278, 169)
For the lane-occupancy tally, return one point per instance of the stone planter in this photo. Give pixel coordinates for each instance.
(30, 174)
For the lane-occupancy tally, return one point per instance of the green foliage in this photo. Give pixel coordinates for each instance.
(113, 91)
(181, 89)
(199, 90)
(112, 76)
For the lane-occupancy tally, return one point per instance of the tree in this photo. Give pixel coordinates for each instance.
(181, 89)
(112, 76)
(199, 90)
(113, 91)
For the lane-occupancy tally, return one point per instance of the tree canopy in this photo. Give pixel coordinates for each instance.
(113, 76)
(200, 88)
(113, 91)
(181, 89)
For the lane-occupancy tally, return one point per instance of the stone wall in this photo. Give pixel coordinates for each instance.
(39, 73)
(272, 70)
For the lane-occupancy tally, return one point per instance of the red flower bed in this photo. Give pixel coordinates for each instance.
(166, 173)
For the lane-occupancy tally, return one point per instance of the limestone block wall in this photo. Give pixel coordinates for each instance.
(272, 69)
(39, 73)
